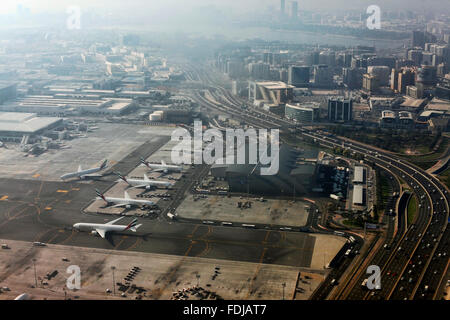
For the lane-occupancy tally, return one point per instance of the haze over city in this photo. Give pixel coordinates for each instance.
(225, 150)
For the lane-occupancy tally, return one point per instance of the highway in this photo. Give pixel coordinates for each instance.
(413, 266)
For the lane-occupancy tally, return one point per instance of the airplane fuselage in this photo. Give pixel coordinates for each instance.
(93, 226)
(80, 174)
(166, 168)
(149, 183)
(128, 202)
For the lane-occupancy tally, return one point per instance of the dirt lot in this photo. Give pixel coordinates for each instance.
(158, 278)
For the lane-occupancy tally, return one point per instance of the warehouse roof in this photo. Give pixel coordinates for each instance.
(359, 175)
(24, 122)
(358, 194)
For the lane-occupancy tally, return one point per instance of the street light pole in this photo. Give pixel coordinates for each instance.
(114, 281)
(35, 274)
(284, 285)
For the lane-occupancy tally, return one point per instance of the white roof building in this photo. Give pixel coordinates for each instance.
(358, 194)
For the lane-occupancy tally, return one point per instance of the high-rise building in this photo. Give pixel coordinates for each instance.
(294, 10)
(282, 7)
(418, 39)
(405, 78)
(313, 58)
(340, 109)
(298, 75)
(352, 77)
(323, 76)
(370, 83)
(416, 56)
(381, 73)
(426, 75)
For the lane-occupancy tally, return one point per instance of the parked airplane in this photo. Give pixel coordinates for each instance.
(102, 228)
(23, 296)
(88, 173)
(126, 202)
(164, 167)
(145, 183)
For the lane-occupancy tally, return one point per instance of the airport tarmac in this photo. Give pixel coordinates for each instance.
(158, 276)
(223, 208)
(45, 211)
(87, 152)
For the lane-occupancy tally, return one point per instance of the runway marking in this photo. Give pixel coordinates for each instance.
(68, 238)
(40, 189)
(4, 198)
(76, 189)
(205, 251)
(120, 242)
(37, 175)
(52, 238)
(68, 201)
(195, 229)
(266, 237)
(138, 242)
(48, 208)
(62, 191)
(258, 267)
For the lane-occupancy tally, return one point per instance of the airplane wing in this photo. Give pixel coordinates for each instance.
(163, 163)
(159, 170)
(141, 186)
(119, 205)
(101, 232)
(92, 175)
(114, 221)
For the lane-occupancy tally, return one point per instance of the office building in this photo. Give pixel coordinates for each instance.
(304, 112)
(323, 76)
(294, 10)
(352, 77)
(298, 76)
(340, 109)
(270, 92)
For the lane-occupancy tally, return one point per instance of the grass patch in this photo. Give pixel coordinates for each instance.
(351, 223)
(412, 209)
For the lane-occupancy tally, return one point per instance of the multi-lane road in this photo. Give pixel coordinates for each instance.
(415, 265)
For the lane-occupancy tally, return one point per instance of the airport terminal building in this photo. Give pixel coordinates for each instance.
(15, 125)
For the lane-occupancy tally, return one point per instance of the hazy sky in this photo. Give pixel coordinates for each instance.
(10, 6)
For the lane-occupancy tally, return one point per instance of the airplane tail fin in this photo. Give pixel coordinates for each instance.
(134, 229)
(121, 177)
(146, 177)
(143, 161)
(100, 195)
(103, 166)
(127, 196)
(132, 225)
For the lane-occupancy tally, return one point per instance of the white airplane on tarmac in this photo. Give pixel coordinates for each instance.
(102, 228)
(145, 183)
(88, 173)
(126, 202)
(163, 166)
